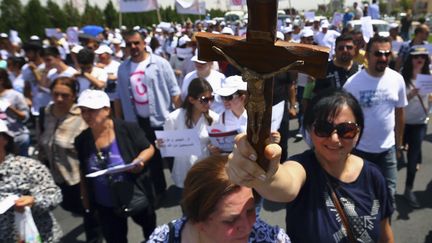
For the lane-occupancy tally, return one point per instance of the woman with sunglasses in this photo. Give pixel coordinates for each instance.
(194, 114)
(332, 195)
(111, 143)
(416, 116)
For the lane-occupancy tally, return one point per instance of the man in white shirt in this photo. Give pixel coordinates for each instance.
(106, 62)
(382, 96)
(89, 77)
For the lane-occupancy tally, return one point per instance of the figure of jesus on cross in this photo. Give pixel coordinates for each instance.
(274, 57)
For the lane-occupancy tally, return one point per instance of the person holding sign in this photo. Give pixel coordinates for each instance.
(111, 143)
(194, 114)
(330, 191)
(416, 116)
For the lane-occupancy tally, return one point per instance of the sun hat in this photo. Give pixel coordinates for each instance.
(231, 85)
(418, 50)
(93, 99)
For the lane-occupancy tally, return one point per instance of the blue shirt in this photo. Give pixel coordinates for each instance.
(312, 216)
(106, 158)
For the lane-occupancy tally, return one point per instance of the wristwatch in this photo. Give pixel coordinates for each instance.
(293, 106)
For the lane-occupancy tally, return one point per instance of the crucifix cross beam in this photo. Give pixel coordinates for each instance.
(259, 58)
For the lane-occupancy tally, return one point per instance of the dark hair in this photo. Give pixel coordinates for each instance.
(344, 37)
(17, 61)
(154, 43)
(33, 45)
(51, 51)
(325, 106)
(71, 83)
(205, 185)
(419, 29)
(377, 39)
(196, 87)
(407, 69)
(4, 77)
(85, 56)
(134, 32)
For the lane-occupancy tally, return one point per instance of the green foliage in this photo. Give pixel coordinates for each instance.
(72, 14)
(11, 15)
(406, 4)
(56, 16)
(92, 15)
(35, 19)
(111, 15)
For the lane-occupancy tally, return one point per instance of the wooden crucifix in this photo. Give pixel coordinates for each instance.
(259, 58)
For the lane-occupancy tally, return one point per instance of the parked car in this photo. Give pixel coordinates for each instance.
(381, 26)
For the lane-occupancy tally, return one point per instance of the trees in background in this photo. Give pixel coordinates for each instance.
(33, 18)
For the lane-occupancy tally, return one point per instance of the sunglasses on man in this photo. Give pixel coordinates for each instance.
(382, 53)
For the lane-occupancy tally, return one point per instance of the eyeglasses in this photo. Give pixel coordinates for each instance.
(348, 47)
(129, 44)
(345, 130)
(229, 97)
(382, 53)
(206, 100)
(420, 56)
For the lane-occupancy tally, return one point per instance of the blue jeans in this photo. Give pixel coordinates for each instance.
(413, 137)
(387, 163)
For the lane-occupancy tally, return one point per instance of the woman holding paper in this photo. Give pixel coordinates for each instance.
(416, 116)
(14, 111)
(105, 144)
(30, 182)
(194, 114)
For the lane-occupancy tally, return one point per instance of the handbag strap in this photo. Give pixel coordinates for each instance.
(341, 211)
(171, 232)
(423, 105)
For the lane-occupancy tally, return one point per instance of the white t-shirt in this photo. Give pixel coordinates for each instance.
(378, 97)
(96, 72)
(139, 89)
(69, 72)
(215, 79)
(176, 120)
(231, 122)
(112, 67)
(414, 111)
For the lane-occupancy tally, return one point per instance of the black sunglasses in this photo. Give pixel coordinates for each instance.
(345, 130)
(229, 97)
(382, 53)
(206, 100)
(348, 47)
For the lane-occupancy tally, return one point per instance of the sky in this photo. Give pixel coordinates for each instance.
(298, 4)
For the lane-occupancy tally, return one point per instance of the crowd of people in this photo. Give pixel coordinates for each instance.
(69, 111)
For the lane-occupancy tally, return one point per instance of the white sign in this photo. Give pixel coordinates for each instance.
(424, 84)
(309, 15)
(114, 169)
(367, 28)
(277, 115)
(179, 142)
(72, 35)
(7, 203)
(51, 32)
(131, 6)
(337, 19)
(223, 140)
(190, 7)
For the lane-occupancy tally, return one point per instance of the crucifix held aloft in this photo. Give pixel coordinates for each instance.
(259, 58)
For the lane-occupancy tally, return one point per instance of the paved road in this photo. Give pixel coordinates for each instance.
(409, 226)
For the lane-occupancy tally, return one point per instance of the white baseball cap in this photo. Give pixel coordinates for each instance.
(93, 99)
(77, 49)
(227, 31)
(5, 129)
(280, 35)
(195, 59)
(104, 49)
(231, 85)
(307, 32)
(183, 40)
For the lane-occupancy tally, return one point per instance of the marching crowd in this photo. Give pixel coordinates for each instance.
(98, 104)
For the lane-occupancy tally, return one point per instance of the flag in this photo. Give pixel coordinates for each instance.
(237, 2)
(190, 7)
(129, 6)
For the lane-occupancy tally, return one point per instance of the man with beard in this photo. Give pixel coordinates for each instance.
(381, 93)
(147, 91)
(341, 67)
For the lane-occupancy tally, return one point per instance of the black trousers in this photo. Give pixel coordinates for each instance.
(156, 163)
(115, 227)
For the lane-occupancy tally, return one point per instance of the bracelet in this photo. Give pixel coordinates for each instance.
(293, 106)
